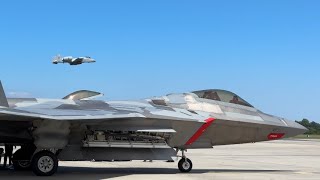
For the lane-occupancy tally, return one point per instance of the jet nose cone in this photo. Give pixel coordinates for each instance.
(295, 128)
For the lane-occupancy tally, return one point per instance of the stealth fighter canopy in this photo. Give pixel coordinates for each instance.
(222, 95)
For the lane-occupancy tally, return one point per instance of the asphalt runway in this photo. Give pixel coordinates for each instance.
(286, 159)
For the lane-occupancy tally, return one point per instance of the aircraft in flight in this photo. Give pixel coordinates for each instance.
(72, 61)
(81, 128)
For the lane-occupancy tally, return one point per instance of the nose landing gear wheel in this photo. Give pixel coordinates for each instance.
(185, 165)
(44, 163)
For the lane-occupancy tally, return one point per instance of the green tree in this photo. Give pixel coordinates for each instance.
(314, 127)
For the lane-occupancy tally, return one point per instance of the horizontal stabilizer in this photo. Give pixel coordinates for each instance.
(3, 98)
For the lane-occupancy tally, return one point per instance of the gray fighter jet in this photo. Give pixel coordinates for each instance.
(72, 61)
(79, 128)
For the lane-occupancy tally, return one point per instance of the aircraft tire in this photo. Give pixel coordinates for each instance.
(44, 163)
(185, 165)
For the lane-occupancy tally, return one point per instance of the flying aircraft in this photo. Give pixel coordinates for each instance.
(72, 61)
(81, 128)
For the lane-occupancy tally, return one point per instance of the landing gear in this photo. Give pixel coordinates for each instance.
(185, 165)
(44, 163)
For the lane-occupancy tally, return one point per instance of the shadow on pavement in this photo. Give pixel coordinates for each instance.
(104, 173)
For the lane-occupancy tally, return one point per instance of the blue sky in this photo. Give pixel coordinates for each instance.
(265, 51)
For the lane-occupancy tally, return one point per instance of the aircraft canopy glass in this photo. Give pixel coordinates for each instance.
(222, 95)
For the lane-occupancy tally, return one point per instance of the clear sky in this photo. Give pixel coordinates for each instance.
(265, 51)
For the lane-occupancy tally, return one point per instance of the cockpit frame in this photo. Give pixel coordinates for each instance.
(223, 96)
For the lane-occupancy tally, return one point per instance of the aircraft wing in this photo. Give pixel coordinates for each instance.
(77, 60)
(90, 111)
(29, 114)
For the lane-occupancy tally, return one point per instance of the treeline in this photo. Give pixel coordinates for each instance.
(314, 128)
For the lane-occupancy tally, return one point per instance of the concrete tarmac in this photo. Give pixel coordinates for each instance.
(285, 159)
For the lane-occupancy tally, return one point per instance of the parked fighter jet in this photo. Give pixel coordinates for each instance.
(72, 61)
(76, 128)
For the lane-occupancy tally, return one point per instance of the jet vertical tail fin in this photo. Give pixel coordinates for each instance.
(57, 59)
(3, 98)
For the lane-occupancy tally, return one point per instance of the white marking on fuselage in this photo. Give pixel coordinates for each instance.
(62, 101)
(48, 102)
(194, 105)
(178, 113)
(129, 103)
(243, 116)
(284, 121)
(206, 107)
